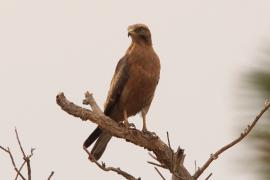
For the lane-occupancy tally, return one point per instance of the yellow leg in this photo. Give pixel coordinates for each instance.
(126, 123)
(125, 118)
(144, 129)
(144, 121)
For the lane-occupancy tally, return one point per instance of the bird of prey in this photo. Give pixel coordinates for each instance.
(132, 87)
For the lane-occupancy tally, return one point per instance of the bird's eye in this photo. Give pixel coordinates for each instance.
(139, 30)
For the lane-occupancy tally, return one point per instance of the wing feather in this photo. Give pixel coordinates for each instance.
(117, 85)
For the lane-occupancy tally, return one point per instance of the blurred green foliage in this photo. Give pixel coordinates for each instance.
(258, 81)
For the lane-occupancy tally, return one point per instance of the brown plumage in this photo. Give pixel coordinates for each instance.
(132, 87)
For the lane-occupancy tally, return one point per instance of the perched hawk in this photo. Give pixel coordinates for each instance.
(132, 87)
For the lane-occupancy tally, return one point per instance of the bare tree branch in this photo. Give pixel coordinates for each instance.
(104, 168)
(19, 142)
(24, 162)
(152, 143)
(160, 173)
(155, 164)
(240, 138)
(152, 156)
(50, 176)
(89, 100)
(208, 177)
(160, 149)
(13, 162)
(195, 166)
(21, 167)
(169, 144)
(164, 154)
(26, 158)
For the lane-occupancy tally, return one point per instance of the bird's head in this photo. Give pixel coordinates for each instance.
(140, 33)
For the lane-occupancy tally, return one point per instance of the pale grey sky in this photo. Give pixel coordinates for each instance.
(72, 46)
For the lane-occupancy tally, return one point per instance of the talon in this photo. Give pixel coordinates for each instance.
(153, 134)
(129, 125)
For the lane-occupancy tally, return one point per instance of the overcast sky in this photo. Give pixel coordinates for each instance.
(53, 46)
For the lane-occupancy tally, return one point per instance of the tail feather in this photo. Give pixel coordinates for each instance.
(101, 137)
(100, 145)
(92, 137)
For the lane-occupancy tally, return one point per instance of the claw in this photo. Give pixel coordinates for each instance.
(153, 134)
(131, 125)
(127, 125)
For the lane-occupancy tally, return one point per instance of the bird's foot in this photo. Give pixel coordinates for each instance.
(153, 134)
(130, 125)
(127, 125)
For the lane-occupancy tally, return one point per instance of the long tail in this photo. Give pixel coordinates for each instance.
(92, 137)
(102, 136)
(100, 145)
(103, 139)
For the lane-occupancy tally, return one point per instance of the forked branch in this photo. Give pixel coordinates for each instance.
(164, 154)
(226, 147)
(26, 160)
(104, 168)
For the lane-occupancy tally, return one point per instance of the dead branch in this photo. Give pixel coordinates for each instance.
(160, 173)
(50, 176)
(7, 150)
(155, 164)
(240, 138)
(208, 177)
(164, 154)
(104, 168)
(89, 100)
(160, 149)
(26, 159)
(21, 167)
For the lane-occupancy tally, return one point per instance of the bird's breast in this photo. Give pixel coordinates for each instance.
(141, 85)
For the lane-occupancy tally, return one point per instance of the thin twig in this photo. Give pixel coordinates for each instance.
(156, 164)
(4, 149)
(152, 156)
(52, 173)
(159, 173)
(224, 148)
(13, 162)
(89, 100)
(19, 142)
(117, 170)
(208, 177)
(169, 144)
(17, 175)
(24, 162)
(26, 158)
(168, 139)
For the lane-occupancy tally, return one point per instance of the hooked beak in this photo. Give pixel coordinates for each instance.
(130, 31)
